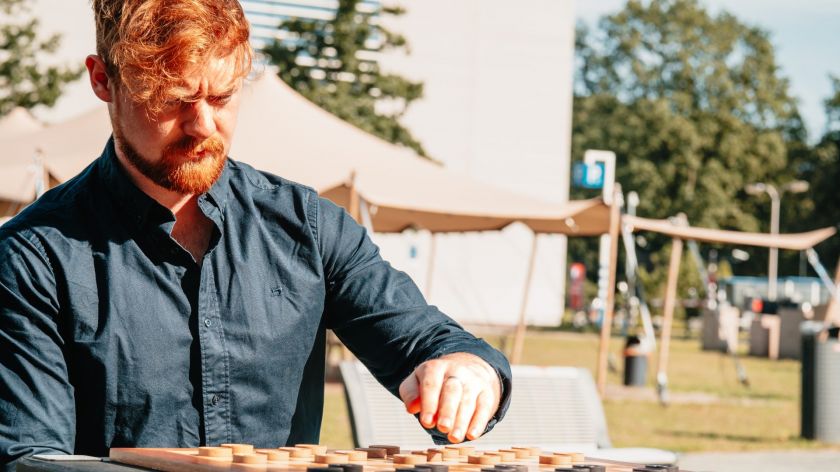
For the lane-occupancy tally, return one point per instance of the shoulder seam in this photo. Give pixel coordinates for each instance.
(33, 238)
(312, 214)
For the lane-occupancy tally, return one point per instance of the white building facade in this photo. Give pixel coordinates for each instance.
(497, 106)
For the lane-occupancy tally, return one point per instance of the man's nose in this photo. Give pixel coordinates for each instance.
(201, 123)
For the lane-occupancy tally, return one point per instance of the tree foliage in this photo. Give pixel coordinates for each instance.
(694, 106)
(824, 175)
(23, 82)
(330, 63)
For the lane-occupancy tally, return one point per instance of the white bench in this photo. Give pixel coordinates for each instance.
(554, 408)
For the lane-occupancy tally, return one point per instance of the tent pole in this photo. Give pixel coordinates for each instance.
(430, 268)
(670, 304)
(519, 336)
(609, 306)
(354, 207)
(831, 311)
(833, 290)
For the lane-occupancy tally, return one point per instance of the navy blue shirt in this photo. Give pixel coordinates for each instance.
(112, 336)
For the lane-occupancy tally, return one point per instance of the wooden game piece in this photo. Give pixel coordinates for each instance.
(463, 451)
(532, 451)
(239, 448)
(392, 450)
(206, 451)
(251, 458)
(354, 455)
(315, 448)
(324, 469)
(374, 452)
(409, 459)
(506, 456)
(432, 455)
(513, 467)
(432, 467)
(554, 459)
(275, 455)
(575, 457)
(519, 453)
(298, 452)
(349, 467)
(449, 453)
(331, 458)
(483, 459)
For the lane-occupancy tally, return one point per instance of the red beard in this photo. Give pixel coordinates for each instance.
(187, 166)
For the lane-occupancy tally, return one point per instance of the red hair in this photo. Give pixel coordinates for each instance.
(149, 45)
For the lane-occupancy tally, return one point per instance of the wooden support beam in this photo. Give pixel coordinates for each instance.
(354, 206)
(606, 322)
(670, 304)
(430, 269)
(519, 336)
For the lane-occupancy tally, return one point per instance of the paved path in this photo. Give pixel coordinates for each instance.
(776, 461)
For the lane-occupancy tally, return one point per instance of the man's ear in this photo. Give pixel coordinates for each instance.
(99, 81)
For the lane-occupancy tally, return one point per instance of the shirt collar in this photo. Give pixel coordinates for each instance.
(141, 210)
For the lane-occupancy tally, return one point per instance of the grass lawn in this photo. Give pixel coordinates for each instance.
(710, 409)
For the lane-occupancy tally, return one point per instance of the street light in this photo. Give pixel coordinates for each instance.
(796, 186)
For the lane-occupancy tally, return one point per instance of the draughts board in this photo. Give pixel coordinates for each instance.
(379, 458)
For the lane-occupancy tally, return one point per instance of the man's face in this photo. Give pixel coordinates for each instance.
(183, 147)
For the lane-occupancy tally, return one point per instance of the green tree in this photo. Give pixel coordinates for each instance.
(824, 174)
(330, 63)
(23, 82)
(695, 107)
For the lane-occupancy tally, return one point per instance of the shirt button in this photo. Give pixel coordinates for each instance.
(208, 322)
(214, 400)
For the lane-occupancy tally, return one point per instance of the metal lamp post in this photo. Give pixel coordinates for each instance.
(796, 186)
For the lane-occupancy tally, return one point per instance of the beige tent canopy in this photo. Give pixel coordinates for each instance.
(401, 189)
(18, 122)
(679, 230)
(283, 133)
(794, 242)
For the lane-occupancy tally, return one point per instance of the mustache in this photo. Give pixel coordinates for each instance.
(191, 146)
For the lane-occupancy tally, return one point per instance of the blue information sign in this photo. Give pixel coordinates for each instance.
(591, 176)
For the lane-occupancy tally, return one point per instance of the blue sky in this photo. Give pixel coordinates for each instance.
(805, 33)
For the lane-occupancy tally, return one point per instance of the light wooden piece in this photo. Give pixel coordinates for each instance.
(298, 452)
(274, 455)
(555, 459)
(410, 459)
(315, 448)
(239, 448)
(208, 451)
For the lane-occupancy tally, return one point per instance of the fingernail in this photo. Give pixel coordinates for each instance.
(445, 422)
(475, 433)
(458, 434)
(427, 418)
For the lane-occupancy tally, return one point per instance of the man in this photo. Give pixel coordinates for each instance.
(170, 296)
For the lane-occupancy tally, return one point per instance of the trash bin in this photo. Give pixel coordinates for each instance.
(820, 384)
(635, 363)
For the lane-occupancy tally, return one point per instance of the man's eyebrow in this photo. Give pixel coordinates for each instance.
(228, 91)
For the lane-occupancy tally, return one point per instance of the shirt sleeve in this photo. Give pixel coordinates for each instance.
(381, 316)
(37, 410)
